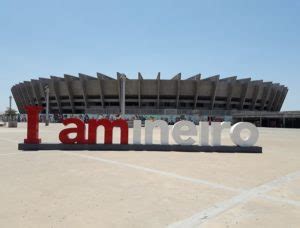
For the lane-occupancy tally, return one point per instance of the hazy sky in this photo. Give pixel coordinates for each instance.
(258, 39)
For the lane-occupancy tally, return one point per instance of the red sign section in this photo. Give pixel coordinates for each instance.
(33, 124)
(78, 130)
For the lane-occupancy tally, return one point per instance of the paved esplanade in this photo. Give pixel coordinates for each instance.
(150, 189)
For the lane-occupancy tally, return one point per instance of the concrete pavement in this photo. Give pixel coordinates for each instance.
(150, 189)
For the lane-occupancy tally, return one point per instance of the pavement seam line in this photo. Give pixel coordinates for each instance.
(199, 218)
(163, 173)
(277, 199)
(281, 200)
(271, 198)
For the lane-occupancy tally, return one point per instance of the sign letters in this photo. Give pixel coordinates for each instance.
(183, 133)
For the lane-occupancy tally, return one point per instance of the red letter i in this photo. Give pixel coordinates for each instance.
(33, 124)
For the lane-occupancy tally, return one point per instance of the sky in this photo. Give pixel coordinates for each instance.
(244, 38)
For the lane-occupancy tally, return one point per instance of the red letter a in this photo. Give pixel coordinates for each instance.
(79, 130)
(108, 130)
(33, 124)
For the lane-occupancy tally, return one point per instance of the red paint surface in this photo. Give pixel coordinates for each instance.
(108, 130)
(79, 130)
(33, 124)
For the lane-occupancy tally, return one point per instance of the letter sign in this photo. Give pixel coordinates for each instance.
(203, 137)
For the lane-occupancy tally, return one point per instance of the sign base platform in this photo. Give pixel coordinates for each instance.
(139, 147)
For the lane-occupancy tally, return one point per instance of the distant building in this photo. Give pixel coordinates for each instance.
(211, 98)
(102, 94)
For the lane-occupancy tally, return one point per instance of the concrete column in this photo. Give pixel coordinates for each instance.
(54, 81)
(123, 95)
(273, 96)
(26, 94)
(278, 99)
(28, 90)
(42, 83)
(158, 89)
(256, 91)
(178, 90)
(230, 91)
(27, 87)
(215, 82)
(245, 86)
(177, 77)
(68, 80)
(22, 96)
(100, 78)
(47, 105)
(83, 90)
(283, 98)
(35, 92)
(197, 87)
(119, 88)
(41, 88)
(266, 94)
(140, 78)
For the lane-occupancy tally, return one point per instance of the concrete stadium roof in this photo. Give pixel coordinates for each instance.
(102, 94)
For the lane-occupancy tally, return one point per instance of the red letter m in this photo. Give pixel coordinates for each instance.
(108, 130)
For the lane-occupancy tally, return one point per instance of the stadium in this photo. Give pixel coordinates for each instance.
(194, 98)
(103, 94)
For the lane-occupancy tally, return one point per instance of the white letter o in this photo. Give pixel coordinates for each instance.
(235, 134)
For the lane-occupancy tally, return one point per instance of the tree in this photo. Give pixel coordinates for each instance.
(10, 112)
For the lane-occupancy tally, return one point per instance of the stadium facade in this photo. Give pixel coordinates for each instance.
(194, 95)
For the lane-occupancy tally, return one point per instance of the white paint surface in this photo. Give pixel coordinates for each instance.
(184, 128)
(236, 130)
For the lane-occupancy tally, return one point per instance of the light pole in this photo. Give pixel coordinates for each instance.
(10, 118)
(123, 80)
(47, 105)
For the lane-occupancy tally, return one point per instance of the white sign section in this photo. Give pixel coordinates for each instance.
(184, 132)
